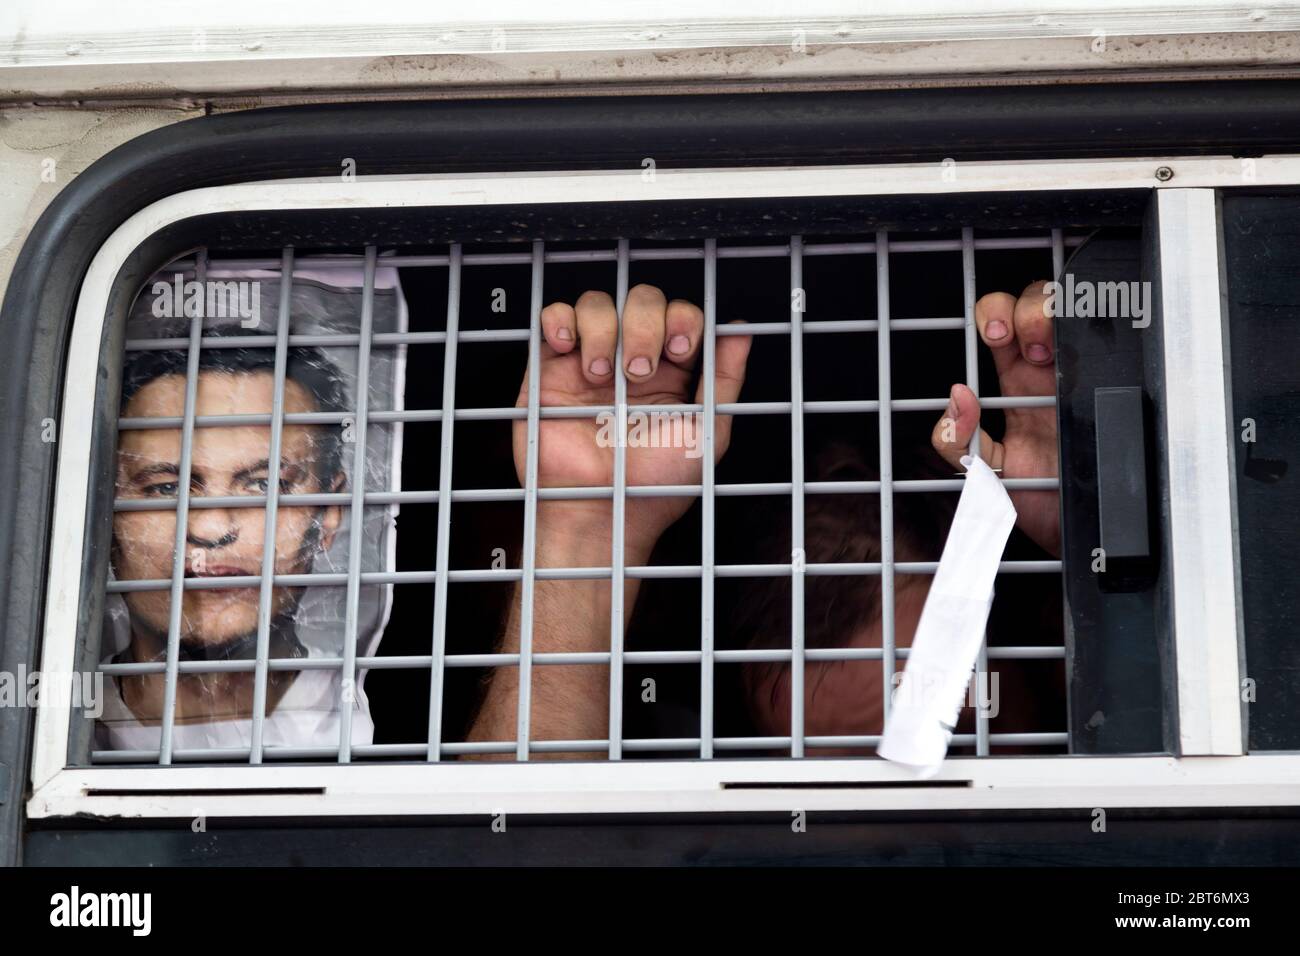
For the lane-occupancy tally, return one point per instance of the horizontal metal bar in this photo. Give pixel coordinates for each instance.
(863, 406)
(739, 490)
(639, 745)
(490, 575)
(568, 658)
(639, 255)
(391, 339)
(331, 340)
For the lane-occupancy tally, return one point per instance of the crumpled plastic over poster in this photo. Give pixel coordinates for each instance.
(214, 710)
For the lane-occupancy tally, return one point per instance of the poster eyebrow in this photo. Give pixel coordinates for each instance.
(155, 470)
(263, 465)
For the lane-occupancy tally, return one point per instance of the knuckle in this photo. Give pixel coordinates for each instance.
(680, 311)
(993, 300)
(644, 290)
(1032, 323)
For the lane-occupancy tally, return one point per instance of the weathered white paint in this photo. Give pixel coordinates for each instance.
(142, 48)
(1199, 449)
(41, 151)
(655, 786)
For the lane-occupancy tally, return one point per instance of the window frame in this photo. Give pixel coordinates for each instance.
(1229, 779)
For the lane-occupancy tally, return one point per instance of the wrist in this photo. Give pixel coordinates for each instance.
(579, 534)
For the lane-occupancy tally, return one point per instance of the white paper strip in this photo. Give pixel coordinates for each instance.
(947, 642)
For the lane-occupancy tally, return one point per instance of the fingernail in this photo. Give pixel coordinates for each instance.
(952, 411)
(600, 367)
(997, 329)
(639, 366)
(1038, 353)
(563, 334)
(679, 345)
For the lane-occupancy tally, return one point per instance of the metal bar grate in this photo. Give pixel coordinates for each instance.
(442, 557)
(708, 509)
(354, 501)
(357, 537)
(885, 420)
(176, 608)
(618, 556)
(269, 546)
(798, 660)
(529, 560)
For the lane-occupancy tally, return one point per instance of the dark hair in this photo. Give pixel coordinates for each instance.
(307, 366)
(840, 529)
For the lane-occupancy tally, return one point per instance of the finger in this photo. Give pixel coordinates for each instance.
(1033, 327)
(729, 361)
(560, 327)
(683, 328)
(994, 318)
(643, 331)
(953, 431)
(597, 334)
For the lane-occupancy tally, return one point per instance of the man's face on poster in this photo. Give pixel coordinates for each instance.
(220, 542)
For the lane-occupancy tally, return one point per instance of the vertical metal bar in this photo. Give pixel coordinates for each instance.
(1198, 456)
(437, 669)
(264, 597)
(798, 303)
(356, 535)
(886, 428)
(530, 505)
(973, 382)
(1058, 267)
(708, 502)
(620, 510)
(972, 333)
(182, 517)
(981, 710)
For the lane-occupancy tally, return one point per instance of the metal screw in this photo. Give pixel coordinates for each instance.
(1164, 174)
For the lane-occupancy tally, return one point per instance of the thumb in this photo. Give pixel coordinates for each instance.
(952, 433)
(730, 357)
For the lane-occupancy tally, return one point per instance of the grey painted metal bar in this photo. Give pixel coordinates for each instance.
(973, 383)
(442, 558)
(333, 339)
(708, 502)
(264, 597)
(181, 536)
(1058, 268)
(639, 745)
(639, 255)
(968, 321)
(886, 439)
(799, 558)
(618, 557)
(524, 703)
(588, 411)
(734, 490)
(337, 578)
(566, 658)
(356, 531)
(393, 339)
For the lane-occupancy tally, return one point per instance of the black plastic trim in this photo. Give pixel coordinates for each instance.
(1242, 118)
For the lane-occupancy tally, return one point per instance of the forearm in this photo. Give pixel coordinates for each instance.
(569, 701)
